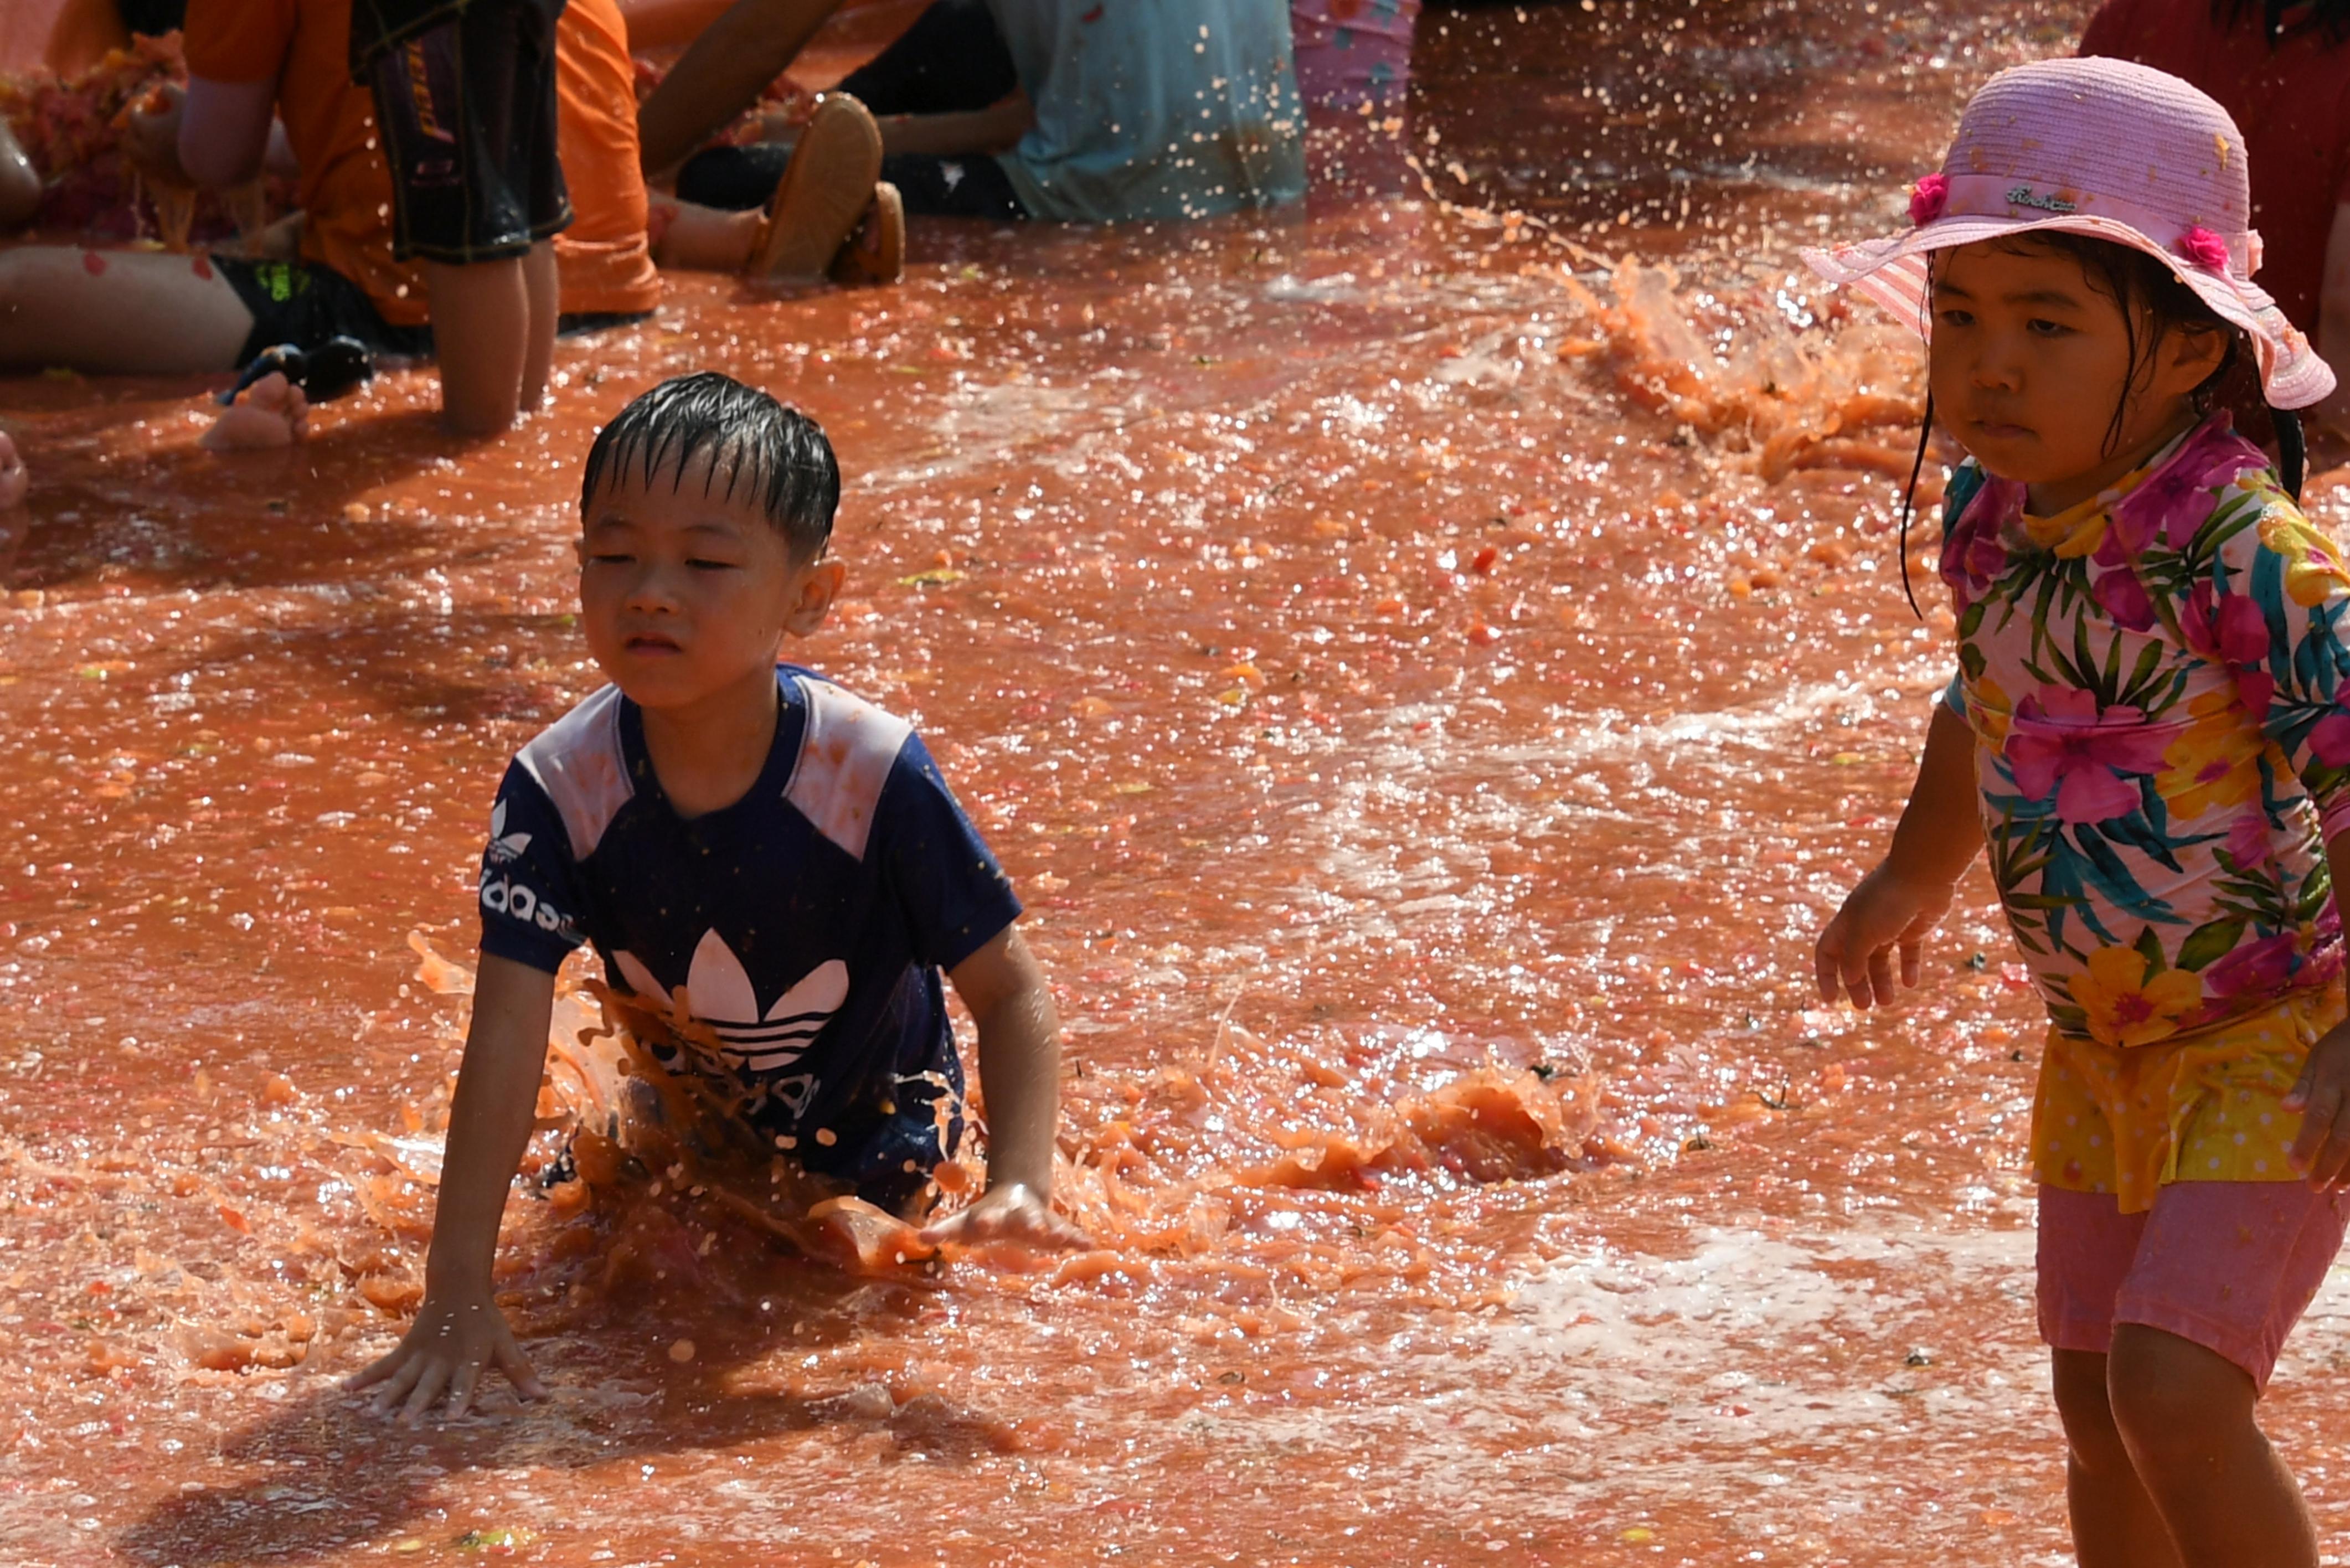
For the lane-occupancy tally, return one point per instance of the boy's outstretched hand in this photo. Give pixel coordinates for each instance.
(445, 1351)
(1013, 1212)
(1020, 1071)
(2320, 1150)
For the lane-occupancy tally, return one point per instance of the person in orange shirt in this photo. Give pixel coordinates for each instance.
(131, 312)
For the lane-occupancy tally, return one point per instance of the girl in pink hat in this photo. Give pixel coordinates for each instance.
(2149, 730)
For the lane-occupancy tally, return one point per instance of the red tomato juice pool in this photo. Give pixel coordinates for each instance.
(1430, 662)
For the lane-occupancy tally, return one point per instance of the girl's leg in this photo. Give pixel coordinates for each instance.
(117, 312)
(2114, 1524)
(2186, 1414)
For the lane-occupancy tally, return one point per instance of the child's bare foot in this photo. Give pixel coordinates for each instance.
(14, 478)
(272, 412)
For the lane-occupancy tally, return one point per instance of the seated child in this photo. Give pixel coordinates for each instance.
(772, 871)
(1066, 110)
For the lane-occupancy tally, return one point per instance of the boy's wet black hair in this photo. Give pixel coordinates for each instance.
(774, 454)
(2149, 294)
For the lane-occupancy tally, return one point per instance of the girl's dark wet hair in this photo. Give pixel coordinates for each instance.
(775, 455)
(2153, 300)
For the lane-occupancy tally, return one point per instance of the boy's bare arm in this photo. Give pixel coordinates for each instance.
(995, 128)
(1899, 903)
(1020, 1071)
(722, 73)
(208, 133)
(459, 1332)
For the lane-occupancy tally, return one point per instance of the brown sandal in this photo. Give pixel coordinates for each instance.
(823, 195)
(877, 251)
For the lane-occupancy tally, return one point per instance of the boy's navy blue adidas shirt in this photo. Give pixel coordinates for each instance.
(805, 925)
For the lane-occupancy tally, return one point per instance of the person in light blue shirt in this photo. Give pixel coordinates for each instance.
(1154, 108)
(1072, 110)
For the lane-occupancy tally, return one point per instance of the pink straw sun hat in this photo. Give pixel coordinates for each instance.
(2107, 149)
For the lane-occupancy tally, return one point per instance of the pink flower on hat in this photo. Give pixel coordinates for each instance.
(2204, 248)
(1928, 198)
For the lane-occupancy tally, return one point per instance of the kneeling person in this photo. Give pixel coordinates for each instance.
(771, 870)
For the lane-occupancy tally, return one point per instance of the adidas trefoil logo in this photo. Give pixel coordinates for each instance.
(504, 848)
(718, 991)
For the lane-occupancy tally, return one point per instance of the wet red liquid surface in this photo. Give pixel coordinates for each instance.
(1429, 700)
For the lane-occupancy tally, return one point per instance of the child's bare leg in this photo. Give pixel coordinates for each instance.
(2186, 1415)
(543, 286)
(703, 239)
(482, 333)
(117, 312)
(2114, 1524)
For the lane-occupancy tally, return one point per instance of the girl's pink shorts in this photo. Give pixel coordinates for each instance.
(2231, 1265)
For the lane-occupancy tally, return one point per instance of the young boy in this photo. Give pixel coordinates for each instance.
(767, 865)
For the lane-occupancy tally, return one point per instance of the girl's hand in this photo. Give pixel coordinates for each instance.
(1013, 1212)
(2320, 1150)
(452, 1342)
(1887, 912)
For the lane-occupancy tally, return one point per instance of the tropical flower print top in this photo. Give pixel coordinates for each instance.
(2160, 690)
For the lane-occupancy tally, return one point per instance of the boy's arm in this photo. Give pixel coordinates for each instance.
(1897, 904)
(208, 133)
(459, 1332)
(1020, 1073)
(995, 128)
(224, 130)
(722, 73)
